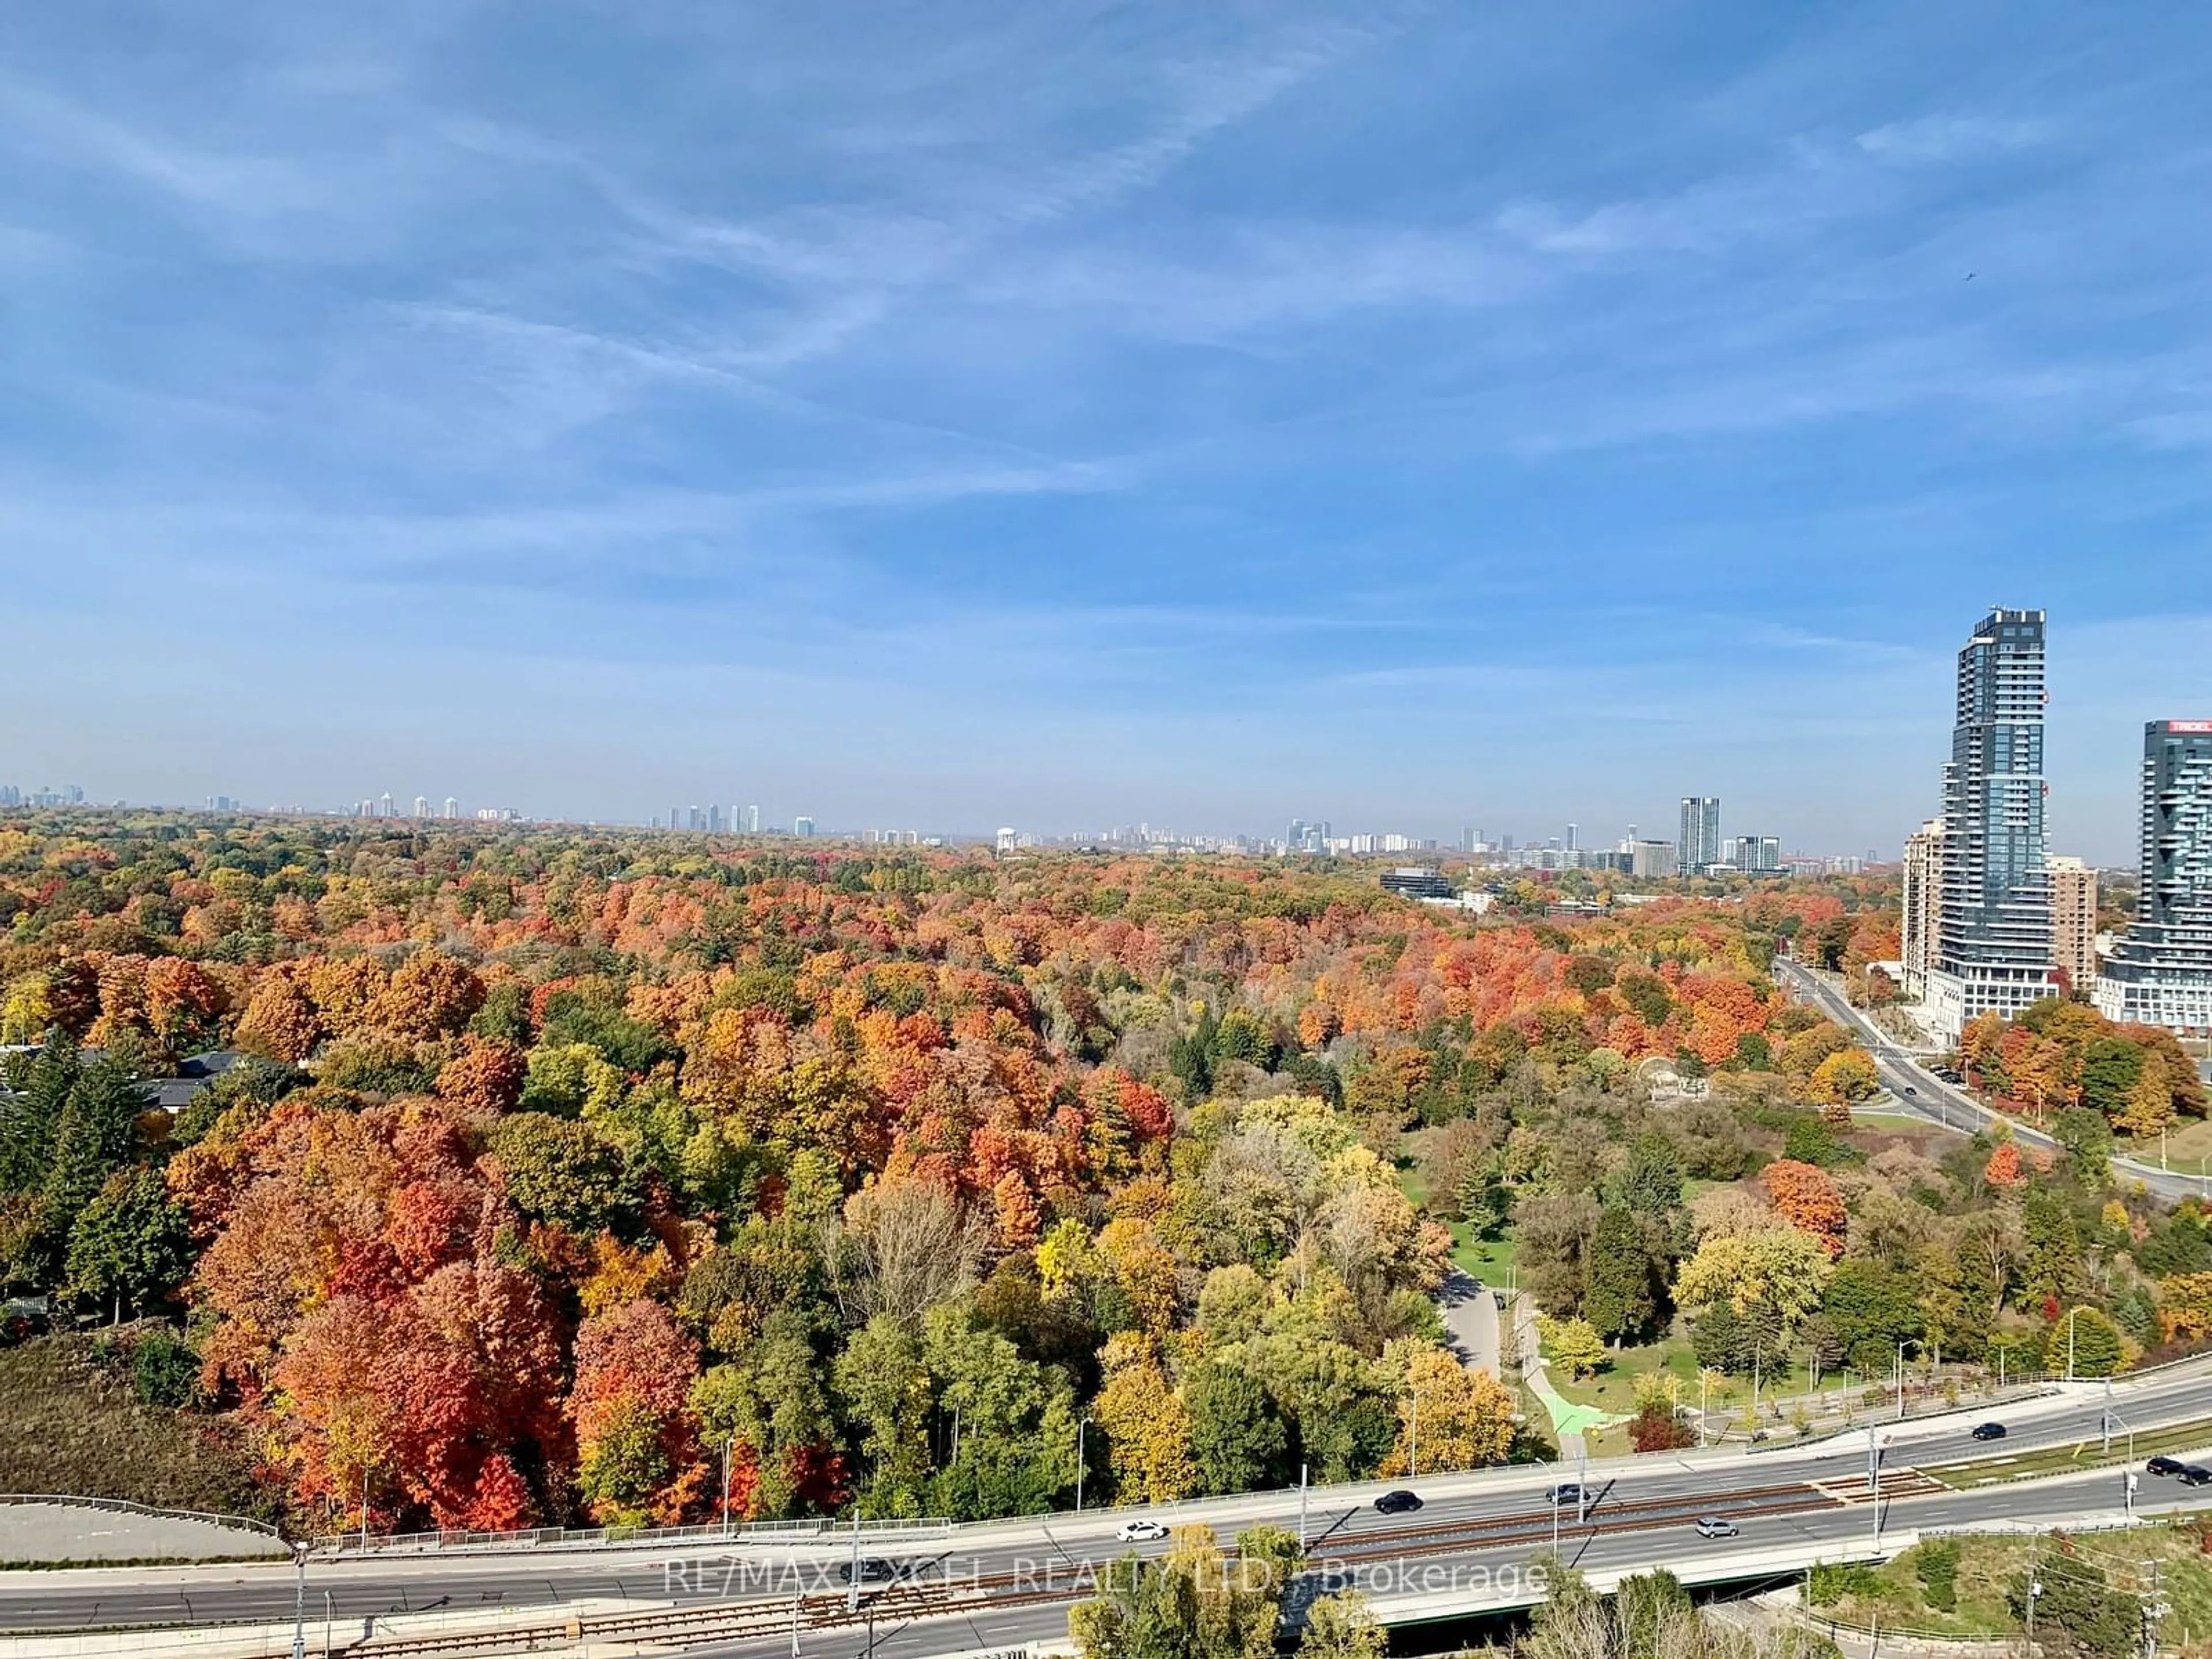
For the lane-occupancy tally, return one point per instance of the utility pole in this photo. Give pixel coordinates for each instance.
(1302, 1509)
(1079, 1428)
(1582, 1480)
(1417, 1431)
(364, 1505)
(2034, 1591)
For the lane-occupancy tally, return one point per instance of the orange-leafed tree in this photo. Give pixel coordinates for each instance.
(1808, 1201)
(487, 1076)
(280, 1022)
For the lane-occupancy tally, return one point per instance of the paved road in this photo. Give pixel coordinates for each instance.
(1470, 1316)
(1918, 1090)
(72, 1532)
(74, 1599)
(1620, 1547)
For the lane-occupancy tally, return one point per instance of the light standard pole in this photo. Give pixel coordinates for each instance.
(1417, 1434)
(1875, 1445)
(728, 1445)
(1081, 1429)
(300, 1601)
(2071, 1314)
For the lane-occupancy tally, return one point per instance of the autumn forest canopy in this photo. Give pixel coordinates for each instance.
(555, 1168)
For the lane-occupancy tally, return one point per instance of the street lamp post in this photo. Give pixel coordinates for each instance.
(1079, 1431)
(1875, 1445)
(300, 1601)
(728, 1446)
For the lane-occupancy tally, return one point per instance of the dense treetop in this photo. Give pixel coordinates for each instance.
(563, 1163)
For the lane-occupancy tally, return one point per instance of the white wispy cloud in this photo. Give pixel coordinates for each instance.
(1937, 139)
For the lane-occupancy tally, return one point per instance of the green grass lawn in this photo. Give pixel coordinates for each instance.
(2186, 1144)
(1893, 1122)
(1490, 1259)
(1612, 1390)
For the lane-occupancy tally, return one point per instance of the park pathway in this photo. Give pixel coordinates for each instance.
(1470, 1316)
(1569, 1421)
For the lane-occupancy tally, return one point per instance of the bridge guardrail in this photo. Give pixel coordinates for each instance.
(825, 1527)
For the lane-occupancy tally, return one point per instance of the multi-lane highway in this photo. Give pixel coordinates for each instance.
(1918, 1090)
(1029, 1569)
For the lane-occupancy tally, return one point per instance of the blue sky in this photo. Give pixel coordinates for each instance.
(1064, 414)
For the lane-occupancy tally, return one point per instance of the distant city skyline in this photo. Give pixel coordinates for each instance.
(730, 818)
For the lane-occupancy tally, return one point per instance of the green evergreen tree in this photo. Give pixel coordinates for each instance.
(129, 1247)
(30, 1116)
(94, 1137)
(1621, 1300)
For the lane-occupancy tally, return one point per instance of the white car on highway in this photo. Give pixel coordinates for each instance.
(1140, 1532)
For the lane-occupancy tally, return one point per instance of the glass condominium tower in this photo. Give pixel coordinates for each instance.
(2160, 974)
(1993, 933)
(1700, 842)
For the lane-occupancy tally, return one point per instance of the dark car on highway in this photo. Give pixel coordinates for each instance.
(1989, 1431)
(869, 1570)
(1399, 1502)
(2193, 1474)
(1567, 1491)
(2164, 1466)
